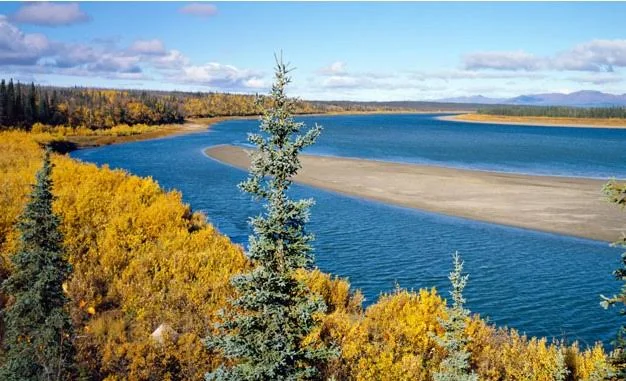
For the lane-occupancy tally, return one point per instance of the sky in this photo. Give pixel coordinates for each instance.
(339, 51)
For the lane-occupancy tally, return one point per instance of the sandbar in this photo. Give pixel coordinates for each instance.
(537, 121)
(562, 205)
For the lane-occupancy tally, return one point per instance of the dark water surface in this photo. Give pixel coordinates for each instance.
(542, 284)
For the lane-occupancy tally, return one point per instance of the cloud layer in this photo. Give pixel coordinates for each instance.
(199, 9)
(222, 76)
(50, 14)
(593, 56)
(34, 53)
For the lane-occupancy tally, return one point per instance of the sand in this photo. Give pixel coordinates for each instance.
(563, 205)
(536, 121)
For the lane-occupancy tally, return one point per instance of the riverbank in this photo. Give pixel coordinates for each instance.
(190, 126)
(537, 121)
(198, 125)
(570, 206)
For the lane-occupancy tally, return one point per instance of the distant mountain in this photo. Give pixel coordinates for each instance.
(474, 99)
(584, 98)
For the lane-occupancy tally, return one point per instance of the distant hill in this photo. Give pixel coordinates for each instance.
(423, 106)
(475, 99)
(584, 98)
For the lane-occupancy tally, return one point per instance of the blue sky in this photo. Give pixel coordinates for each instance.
(355, 51)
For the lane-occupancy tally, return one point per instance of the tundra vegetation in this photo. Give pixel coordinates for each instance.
(151, 280)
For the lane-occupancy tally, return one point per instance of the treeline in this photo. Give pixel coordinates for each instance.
(556, 111)
(21, 106)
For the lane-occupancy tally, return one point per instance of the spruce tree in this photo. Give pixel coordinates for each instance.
(30, 107)
(455, 367)
(262, 334)
(18, 107)
(10, 111)
(38, 341)
(43, 109)
(3, 103)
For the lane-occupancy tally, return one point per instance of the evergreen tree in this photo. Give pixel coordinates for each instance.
(455, 367)
(3, 103)
(30, 109)
(18, 107)
(43, 109)
(10, 112)
(38, 340)
(263, 333)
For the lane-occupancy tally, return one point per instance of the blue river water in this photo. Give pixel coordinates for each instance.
(539, 283)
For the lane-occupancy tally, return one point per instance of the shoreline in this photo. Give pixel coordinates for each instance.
(190, 126)
(562, 205)
(533, 121)
(194, 125)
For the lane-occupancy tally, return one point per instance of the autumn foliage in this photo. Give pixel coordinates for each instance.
(23, 106)
(150, 276)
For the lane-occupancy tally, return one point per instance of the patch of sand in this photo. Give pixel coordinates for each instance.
(537, 121)
(571, 206)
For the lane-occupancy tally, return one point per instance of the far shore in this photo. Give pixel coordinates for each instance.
(562, 205)
(536, 121)
(194, 125)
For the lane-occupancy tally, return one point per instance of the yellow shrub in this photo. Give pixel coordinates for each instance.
(392, 340)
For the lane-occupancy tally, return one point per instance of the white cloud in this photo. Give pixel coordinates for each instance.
(154, 46)
(199, 9)
(19, 48)
(518, 60)
(27, 54)
(598, 78)
(214, 74)
(50, 14)
(471, 74)
(335, 68)
(173, 59)
(346, 81)
(596, 55)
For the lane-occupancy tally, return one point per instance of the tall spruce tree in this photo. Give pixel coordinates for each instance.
(456, 366)
(18, 106)
(263, 332)
(10, 110)
(4, 101)
(30, 106)
(38, 339)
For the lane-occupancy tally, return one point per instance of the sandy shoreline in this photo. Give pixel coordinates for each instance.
(195, 125)
(563, 205)
(169, 130)
(548, 122)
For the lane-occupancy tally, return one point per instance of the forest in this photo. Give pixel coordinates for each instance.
(556, 111)
(22, 106)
